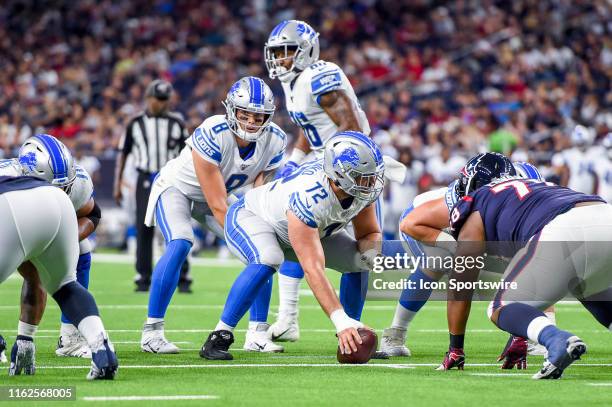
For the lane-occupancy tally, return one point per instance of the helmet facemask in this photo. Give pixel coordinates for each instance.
(239, 127)
(276, 68)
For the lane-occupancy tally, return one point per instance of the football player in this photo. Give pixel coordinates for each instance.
(550, 225)
(43, 156)
(603, 169)
(47, 236)
(303, 216)
(426, 220)
(575, 166)
(322, 102)
(226, 155)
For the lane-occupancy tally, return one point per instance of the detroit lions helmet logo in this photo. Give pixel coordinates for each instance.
(347, 156)
(28, 161)
(305, 31)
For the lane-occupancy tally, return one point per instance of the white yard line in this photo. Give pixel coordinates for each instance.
(600, 384)
(501, 374)
(152, 398)
(197, 261)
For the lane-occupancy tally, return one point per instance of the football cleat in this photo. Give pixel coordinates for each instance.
(393, 342)
(561, 354)
(535, 349)
(23, 356)
(285, 330)
(453, 358)
(258, 340)
(153, 340)
(2, 349)
(514, 354)
(73, 345)
(104, 364)
(217, 345)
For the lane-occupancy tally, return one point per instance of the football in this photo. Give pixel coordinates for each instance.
(365, 351)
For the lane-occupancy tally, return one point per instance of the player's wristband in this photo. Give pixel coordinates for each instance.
(297, 155)
(446, 241)
(343, 321)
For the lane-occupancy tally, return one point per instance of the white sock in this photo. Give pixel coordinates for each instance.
(288, 296)
(222, 326)
(536, 326)
(253, 325)
(25, 329)
(402, 317)
(551, 315)
(67, 329)
(154, 320)
(91, 328)
(610, 327)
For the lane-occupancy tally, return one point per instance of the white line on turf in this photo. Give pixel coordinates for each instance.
(500, 374)
(599, 384)
(152, 398)
(197, 261)
(242, 365)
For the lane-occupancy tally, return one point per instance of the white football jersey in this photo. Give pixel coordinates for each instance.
(215, 143)
(448, 193)
(302, 100)
(603, 169)
(80, 193)
(581, 166)
(308, 194)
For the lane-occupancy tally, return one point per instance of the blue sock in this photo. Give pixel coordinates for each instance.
(82, 275)
(247, 286)
(413, 300)
(166, 276)
(261, 305)
(291, 269)
(353, 290)
(550, 333)
(515, 318)
(390, 248)
(75, 302)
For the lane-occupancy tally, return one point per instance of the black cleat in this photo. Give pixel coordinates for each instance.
(379, 354)
(184, 287)
(217, 345)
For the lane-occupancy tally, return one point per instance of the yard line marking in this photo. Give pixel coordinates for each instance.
(140, 398)
(500, 374)
(138, 342)
(599, 384)
(197, 261)
(242, 365)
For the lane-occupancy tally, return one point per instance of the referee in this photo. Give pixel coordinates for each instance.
(154, 137)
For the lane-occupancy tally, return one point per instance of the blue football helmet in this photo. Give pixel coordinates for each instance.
(481, 170)
(527, 171)
(355, 164)
(45, 157)
(291, 35)
(250, 94)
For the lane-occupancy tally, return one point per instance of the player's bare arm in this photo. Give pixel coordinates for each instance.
(458, 310)
(86, 218)
(33, 295)
(366, 228)
(425, 222)
(211, 181)
(341, 109)
(264, 177)
(307, 246)
(302, 143)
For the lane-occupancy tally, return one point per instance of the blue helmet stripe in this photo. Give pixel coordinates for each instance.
(64, 169)
(57, 161)
(256, 90)
(278, 28)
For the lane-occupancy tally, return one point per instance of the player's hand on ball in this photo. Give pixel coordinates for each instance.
(348, 340)
(514, 354)
(453, 358)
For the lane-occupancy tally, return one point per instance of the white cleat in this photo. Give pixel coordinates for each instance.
(3, 357)
(258, 340)
(535, 349)
(154, 341)
(393, 342)
(285, 330)
(73, 346)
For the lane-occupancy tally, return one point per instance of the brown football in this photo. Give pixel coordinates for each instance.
(365, 351)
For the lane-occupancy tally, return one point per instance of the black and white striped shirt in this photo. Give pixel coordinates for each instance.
(153, 140)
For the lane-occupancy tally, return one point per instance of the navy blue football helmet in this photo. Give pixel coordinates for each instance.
(481, 170)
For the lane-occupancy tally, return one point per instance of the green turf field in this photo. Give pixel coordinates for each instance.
(307, 373)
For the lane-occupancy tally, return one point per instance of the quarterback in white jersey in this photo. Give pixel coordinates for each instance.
(225, 156)
(302, 217)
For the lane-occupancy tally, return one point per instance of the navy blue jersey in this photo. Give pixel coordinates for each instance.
(514, 210)
(8, 184)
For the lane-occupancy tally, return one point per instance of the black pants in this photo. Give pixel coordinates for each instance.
(144, 234)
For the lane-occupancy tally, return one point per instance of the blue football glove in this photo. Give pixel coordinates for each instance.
(289, 167)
